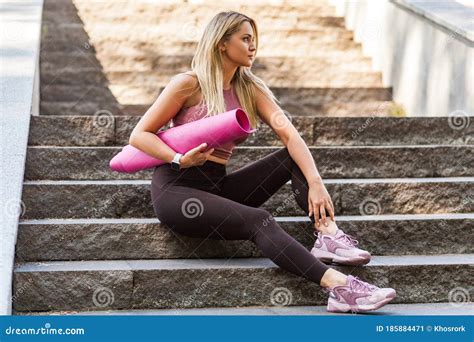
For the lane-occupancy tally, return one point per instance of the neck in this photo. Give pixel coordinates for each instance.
(229, 71)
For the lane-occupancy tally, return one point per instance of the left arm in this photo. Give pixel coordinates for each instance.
(273, 116)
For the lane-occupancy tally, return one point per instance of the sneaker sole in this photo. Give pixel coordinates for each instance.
(328, 257)
(342, 307)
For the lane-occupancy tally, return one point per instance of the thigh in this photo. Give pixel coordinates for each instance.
(255, 183)
(198, 213)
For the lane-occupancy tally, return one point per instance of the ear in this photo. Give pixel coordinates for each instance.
(222, 46)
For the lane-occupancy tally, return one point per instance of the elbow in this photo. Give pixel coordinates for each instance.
(132, 140)
(289, 136)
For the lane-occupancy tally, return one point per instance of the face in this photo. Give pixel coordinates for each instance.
(240, 48)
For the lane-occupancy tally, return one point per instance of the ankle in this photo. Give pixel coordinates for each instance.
(333, 278)
(330, 229)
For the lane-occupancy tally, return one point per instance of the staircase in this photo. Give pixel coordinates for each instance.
(89, 240)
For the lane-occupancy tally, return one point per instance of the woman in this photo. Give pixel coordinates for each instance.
(228, 204)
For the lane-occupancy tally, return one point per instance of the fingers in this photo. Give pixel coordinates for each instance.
(316, 214)
(202, 147)
(322, 210)
(331, 211)
(209, 152)
(310, 209)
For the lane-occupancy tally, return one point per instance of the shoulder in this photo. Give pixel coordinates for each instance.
(186, 86)
(185, 80)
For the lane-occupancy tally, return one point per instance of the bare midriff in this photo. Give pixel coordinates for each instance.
(217, 159)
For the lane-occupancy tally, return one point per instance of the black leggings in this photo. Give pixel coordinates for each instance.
(206, 202)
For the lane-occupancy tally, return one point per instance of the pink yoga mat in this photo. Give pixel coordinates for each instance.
(214, 130)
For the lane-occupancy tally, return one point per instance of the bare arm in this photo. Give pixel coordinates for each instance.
(168, 103)
(274, 117)
(318, 197)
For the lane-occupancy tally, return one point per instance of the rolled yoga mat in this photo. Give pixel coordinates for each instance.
(214, 130)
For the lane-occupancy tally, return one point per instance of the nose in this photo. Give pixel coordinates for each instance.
(252, 46)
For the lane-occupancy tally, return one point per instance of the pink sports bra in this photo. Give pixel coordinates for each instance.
(197, 112)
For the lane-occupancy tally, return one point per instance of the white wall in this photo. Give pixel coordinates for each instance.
(20, 27)
(425, 53)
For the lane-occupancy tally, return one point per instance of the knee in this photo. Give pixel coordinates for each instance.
(262, 220)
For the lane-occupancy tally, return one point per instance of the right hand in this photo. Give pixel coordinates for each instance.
(195, 156)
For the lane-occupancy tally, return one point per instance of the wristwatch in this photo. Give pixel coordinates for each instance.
(175, 165)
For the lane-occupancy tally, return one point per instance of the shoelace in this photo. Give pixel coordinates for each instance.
(348, 239)
(357, 283)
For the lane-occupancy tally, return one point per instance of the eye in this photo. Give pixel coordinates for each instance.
(246, 38)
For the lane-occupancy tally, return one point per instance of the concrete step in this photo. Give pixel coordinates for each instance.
(418, 309)
(293, 47)
(125, 239)
(299, 101)
(151, 87)
(276, 41)
(104, 129)
(109, 10)
(112, 60)
(92, 163)
(333, 109)
(101, 31)
(80, 69)
(122, 82)
(265, 22)
(168, 284)
(132, 198)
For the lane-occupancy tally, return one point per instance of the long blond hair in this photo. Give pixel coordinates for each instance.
(208, 67)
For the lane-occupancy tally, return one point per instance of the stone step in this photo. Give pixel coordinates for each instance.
(124, 239)
(418, 309)
(101, 31)
(92, 163)
(79, 68)
(104, 129)
(152, 284)
(292, 48)
(110, 10)
(144, 83)
(332, 109)
(281, 21)
(105, 58)
(152, 85)
(132, 198)
(299, 101)
(197, 24)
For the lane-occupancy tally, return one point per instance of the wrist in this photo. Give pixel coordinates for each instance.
(315, 181)
(176, 162)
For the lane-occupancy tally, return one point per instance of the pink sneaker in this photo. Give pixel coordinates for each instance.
(358, 296)
(340, 249)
